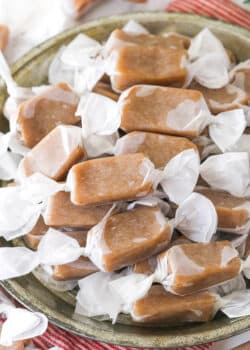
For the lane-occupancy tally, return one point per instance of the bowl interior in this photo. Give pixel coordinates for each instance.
(59, 307)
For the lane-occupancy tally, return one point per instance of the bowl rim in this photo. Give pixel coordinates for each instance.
(14, 288)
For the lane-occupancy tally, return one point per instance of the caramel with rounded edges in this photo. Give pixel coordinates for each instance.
(110, 179)
(159, 306)
(39, 115)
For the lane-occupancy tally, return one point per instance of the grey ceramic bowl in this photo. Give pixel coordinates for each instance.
(32, 70)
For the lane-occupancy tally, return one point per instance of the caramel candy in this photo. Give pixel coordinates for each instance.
(158, 148)
(110, 179)
(132, 65)
(199, 266)
(160, 306)
(120, 38)
(32, 239)
(223, 99)
(80, 268)
(41, 114)
(105, 90)
(154, 109)
(4, 36)
(129, 237)
(232, 213)
(55, 154)
(61, 212)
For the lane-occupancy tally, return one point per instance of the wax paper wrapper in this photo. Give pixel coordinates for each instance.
(44, 274)
(20, 323)
(55, 248)
(97, 290)
(236, 284)
(229, 172)
(210, 60)
(79, 64)
(22, 205)
(99, 124)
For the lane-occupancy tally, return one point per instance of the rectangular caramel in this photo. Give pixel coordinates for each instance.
(230, 210)
(130, 237)
(158, 109)
(159, 306)
(159, 148)
(110, 179)
(131, 65)
(55, 154)
(41, 114)
(61, 212)
(198, 266)
(74, 270)
(119, 38)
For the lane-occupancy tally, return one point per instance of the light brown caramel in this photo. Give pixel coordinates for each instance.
(4, 36)
(51, 156)
(149, 110)
(148, 65)
(133, 236)
(61, 212)
(32, 239)
(223, 99)
(160, 306)
(226, 207)
(160, 149)
(41, 114)
(120, 38)
(146, 267)
(199, 266)
(109, 179)
(75, 270)
(105, 90)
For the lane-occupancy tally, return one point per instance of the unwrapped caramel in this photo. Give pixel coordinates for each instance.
(42, 113)
(110, 179)
(158, 148)
(160, 306)
(55, 154)
(61, 212)
(131, 65)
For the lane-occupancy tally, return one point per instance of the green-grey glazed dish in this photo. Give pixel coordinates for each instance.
(59, 307)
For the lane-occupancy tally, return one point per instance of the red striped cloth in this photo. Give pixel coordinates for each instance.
(220, 9)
